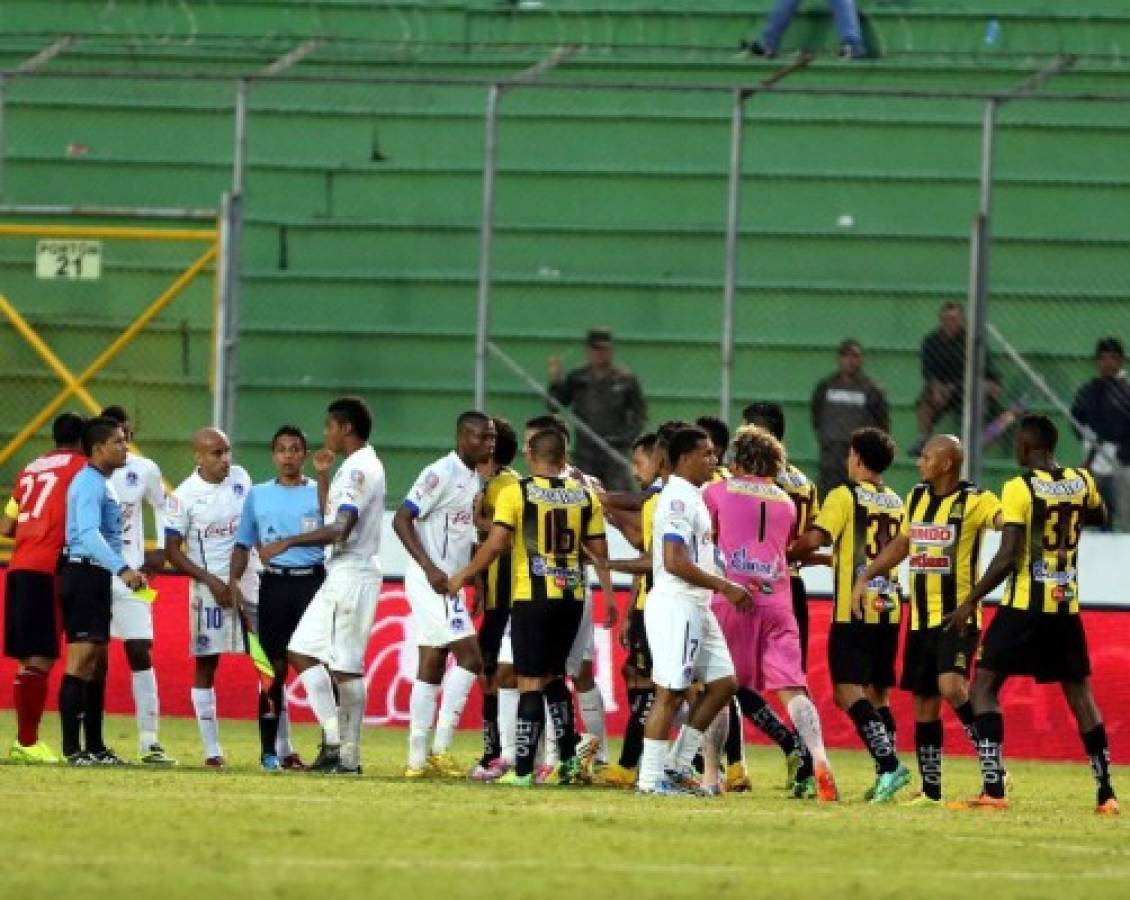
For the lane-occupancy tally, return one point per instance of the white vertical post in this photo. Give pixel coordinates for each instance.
(730, 277)
(486, 246)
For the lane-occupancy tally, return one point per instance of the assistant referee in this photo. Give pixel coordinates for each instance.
(92, 555)
(285, 506)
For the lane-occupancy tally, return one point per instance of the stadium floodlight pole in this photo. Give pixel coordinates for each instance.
(239, 156)
(733, 224)
(486, 245)
(973, 401)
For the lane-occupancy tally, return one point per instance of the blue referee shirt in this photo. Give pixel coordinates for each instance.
(275, 511)
(94, 521)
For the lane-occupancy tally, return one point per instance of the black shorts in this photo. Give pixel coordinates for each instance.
(800, 612)
(30, 622)
(1049, 647)
(542, 634)
(863, 654)
(86, 597)
(931, 652)
(639, 650)
(491, 632)
(282, 601)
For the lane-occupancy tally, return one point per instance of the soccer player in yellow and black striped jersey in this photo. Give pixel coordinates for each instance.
(859, 519)
(499, 685)
(1037, 631)
(545, 520)
(946, 519)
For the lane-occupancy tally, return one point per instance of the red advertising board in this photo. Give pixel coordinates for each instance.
(1037, 722)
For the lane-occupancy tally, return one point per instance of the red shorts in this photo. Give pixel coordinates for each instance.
(764, 643)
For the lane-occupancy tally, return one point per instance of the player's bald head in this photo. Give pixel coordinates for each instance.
(947, 447)
(206, 438)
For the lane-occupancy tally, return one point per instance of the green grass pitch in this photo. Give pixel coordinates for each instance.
(194, 833)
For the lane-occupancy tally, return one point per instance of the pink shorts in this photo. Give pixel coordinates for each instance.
(764, 644)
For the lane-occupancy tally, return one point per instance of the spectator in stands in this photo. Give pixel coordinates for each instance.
(1102, 407)
(844, 401)
(943, 375)
(609, 400)
(844, 15)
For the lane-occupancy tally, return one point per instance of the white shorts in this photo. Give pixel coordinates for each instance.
(131, 619)
(686, 642)
(336, 625)
(581, 651)
(212, 628)
(440, 620)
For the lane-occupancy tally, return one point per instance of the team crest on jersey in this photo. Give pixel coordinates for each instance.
(132, 479)
(173, 504)
(357, 477)
(237, 489)
(202, 642)
(678, 507)
(431, 482)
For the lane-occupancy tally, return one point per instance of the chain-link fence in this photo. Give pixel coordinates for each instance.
(806, 245)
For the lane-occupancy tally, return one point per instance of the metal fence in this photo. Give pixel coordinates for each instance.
(734, 245)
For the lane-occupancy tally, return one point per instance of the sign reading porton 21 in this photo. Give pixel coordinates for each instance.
(70, 260)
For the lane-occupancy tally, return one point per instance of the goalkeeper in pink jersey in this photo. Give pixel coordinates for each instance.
(753, 521)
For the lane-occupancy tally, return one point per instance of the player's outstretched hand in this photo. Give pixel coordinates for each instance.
(858, 598)
(958, 620)
(267, 552)
(134, 580)
(738, 595)
(323, 461)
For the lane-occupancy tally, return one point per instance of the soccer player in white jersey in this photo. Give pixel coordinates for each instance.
(201, 520)
(687, 644)
(436, 525)
(329, 643)
(136, 483)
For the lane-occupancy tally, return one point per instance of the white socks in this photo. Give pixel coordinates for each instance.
(686, 747)
(283, 746)
(651, 763)
(592, 717)
(508, 722)
(551, 753)
(351, 715)
(457, 684)
(807, 721)
(204, 702)
(146, 707)
(422, 712)
(320, 692)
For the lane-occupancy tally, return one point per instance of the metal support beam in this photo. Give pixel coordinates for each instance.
(555, 59)
(730, 279)
(973, 400)
(225, 351)
(239, 155)
(486, 245)
(44, 56)
(295, 56)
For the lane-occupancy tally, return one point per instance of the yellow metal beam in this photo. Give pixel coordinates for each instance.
(109, 231)
(76, 384)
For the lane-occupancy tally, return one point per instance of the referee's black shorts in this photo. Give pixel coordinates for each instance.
(282, 601)
(30, 620)
(491, 631)
(863, 654)
(929, 653)
(639, 650)
(800, 612)
(1050, 647)
(542, 634)
(86, 597)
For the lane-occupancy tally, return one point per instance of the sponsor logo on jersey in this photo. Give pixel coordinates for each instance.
(930, 565)
(462, 517)
(557, 496)
(932, 535)
(741, 561)
(678, 507)
(46, 463)
(792, 478)
(431, 482)
(754, 488)
(357, 477)
(221, 530)
(878, 498)
(1041, 572)
(1059, 488)
(564, 576)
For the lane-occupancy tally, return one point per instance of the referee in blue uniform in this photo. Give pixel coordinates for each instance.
(92, 555)
(285, 506)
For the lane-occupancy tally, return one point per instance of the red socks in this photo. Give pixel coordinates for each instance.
(29, 691)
